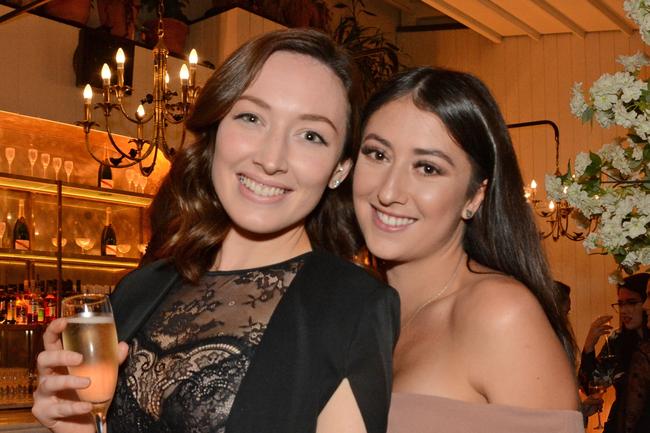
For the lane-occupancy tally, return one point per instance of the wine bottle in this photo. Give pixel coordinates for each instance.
(105, 174)
(21, 231)
(109, 240)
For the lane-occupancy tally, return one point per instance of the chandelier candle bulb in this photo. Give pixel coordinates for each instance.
(88, 99)
(120, 58)
(551, 205)
(106, 80)
(139, 114)
(193, 59)
(185, 76)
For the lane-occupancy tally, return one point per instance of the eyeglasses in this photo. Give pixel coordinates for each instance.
(618, 306)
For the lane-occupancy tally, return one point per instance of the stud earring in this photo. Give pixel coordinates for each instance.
(468, 213)
(335, 184)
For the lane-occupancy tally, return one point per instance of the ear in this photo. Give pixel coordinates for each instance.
(474, 203)
(340, 173)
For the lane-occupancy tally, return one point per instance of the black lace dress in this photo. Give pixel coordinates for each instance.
(186, 364)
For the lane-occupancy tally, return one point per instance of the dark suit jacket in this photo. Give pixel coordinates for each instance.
(335, 321)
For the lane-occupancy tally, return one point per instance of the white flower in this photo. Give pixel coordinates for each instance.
(583, 160)
(554, 188)
(591, 242)
(637, 151)
(578, 104)
(635, 227)
(580, 199)
(604, 92)
(635, 62)
(604, 118)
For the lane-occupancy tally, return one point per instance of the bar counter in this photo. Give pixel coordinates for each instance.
(19, 420)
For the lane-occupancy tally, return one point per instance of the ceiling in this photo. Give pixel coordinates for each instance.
(496, 19)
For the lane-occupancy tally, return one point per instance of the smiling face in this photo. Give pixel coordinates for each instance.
(277, 149)
(410, 184)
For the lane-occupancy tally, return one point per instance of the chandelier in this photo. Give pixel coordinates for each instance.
(557, 216)
(164, 111)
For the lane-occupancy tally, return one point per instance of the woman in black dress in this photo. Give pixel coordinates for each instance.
(247, 318)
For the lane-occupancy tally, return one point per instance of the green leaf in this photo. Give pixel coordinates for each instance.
(587, 115)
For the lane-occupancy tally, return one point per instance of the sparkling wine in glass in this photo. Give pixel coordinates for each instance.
(10, 154)
(32, 154)
(56, 165)
(45, 160)
(91, 332)
(68, 166)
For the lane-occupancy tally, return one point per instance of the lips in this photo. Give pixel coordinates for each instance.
(261, 189)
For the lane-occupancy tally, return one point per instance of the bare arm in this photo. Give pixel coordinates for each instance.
(341, 414)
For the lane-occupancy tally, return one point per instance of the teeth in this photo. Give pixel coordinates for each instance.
(394, 222)
(261, 189)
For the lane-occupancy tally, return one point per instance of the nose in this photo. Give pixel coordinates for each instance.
(272, 153)
(392, 189)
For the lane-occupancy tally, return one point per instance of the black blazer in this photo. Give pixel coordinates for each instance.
(335, 321)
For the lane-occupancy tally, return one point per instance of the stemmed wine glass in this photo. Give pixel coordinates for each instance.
(10, 154)
(130, 175)
(84, 243)
(64, 242)
(68, 166)
(45, 160)
(91, 332)
(123, 249)
(56, 165)
(601, 380)
(32, 154)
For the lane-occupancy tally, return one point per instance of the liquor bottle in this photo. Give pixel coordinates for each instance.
(20, 313)
(11, 306)
(21, 231)
(50, 304)
(109, 240)
(105, 174)
(3, 304)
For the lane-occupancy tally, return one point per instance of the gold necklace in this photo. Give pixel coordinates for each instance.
(434, 297)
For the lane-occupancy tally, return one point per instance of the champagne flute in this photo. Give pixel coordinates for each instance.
(56, 165)
(10, 154)
(32, 154)
(45, 160)
(67, 166)
(91, 332)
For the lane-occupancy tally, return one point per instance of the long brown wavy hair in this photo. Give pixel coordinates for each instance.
(188, 222)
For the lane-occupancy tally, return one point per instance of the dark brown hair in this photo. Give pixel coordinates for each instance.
(502, 235)
(187, 220)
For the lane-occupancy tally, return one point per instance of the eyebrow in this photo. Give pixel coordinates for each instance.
(308, 116)
(418, 151)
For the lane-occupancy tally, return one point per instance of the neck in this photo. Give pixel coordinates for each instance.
(245, 250)
(417, 281)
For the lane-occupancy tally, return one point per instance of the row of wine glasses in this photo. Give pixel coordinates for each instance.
(32, 155)
(86, 244)
(136, 181)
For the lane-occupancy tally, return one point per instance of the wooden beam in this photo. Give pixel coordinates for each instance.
(549, 9)
(403, 5)
(461, 17)
(615, 18)
(21, 10)
(511, 19)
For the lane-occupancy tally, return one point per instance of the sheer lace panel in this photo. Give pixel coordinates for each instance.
(186, 364)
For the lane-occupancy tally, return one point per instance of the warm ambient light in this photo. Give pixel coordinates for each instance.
(140, 112)
(185, 73)
(106, 74)
(119, 57)
(194, 58)
(88, 94)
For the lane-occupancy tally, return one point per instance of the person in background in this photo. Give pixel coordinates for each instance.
(484, 345)
(614, 358)
(592, 403)
(250, 319)
(635, 411)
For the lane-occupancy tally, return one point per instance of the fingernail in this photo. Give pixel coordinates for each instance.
(76, 358)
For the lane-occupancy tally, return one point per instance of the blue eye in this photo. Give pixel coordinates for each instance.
(248, 117)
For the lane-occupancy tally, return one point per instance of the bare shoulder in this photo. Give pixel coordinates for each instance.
(514, 356)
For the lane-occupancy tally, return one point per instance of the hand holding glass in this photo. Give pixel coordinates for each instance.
(91, 332)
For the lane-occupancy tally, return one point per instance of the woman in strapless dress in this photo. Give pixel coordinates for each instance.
(439, 197)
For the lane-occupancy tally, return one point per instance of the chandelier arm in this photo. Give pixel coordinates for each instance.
(90, 150)
(114, 144)
(133, 119)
